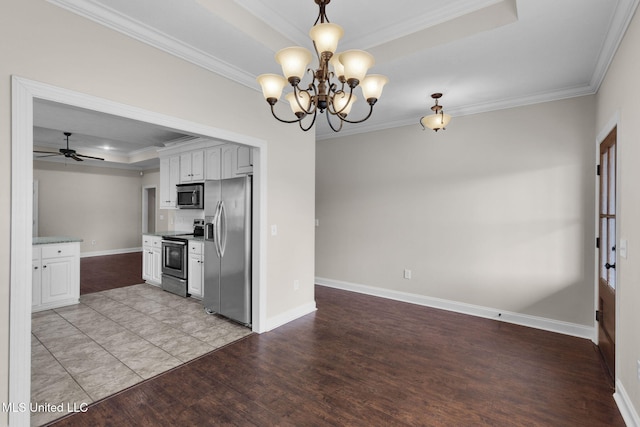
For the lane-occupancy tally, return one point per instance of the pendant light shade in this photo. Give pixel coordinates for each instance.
(294, 62)
(326, 36)
(438, 120)
(372, 86)
(356, 63)
(272, 85)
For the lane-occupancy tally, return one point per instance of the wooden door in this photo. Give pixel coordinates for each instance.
(606, 314)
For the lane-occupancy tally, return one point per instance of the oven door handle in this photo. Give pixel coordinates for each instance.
(173, 242)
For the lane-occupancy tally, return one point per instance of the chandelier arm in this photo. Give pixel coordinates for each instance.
(334, 112)
(284, 121)
(296, 91)
(358, 121)
(315, 113)
(331, 124)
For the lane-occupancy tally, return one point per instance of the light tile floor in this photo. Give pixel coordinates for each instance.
(113, 340)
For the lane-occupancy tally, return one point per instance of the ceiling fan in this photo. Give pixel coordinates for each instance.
(67, 152)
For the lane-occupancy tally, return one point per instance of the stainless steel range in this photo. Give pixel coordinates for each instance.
(175, 259)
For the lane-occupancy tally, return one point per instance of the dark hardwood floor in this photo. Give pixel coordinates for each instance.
(366, 361)
(101, 273)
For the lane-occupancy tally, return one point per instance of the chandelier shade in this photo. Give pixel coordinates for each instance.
(326, 37)
(331, 90)
(356, 63)
(272, 85)
(372, 86)
(294, 61)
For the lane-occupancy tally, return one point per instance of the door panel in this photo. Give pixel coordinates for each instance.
(607, 252)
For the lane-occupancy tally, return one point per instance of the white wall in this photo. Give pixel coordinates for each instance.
(496, 211)
(93, 203)
(51, 45)
(620, 95)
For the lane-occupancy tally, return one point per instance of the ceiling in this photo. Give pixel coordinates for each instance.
(483, 55)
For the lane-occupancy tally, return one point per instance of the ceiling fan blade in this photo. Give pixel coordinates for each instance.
(47, 152)
(75, 157)
(89, 157)
(47, 155)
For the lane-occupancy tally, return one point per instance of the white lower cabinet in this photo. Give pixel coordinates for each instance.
(152, 259)
(56, 275)
(195, 269)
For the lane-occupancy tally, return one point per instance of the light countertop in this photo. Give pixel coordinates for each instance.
(54, 239)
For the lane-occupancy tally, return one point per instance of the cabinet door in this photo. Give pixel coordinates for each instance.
(197, 166)
(147, 264)
(57, 279)
(174, 177)
(244, 160)
(212, 162)
(228, 161)
(36, 288)
(169, 178)
(196, 272)
(156, 273)
(185, 168)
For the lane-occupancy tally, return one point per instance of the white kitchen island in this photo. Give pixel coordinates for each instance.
(56, 272)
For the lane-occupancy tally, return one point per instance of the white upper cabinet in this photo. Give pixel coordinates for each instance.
(169, 178)
(192, 166)
(213, 163)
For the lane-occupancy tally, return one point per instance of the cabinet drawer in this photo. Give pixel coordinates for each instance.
(195, 248)
(56, 251)
(149, 241)
(35, 253)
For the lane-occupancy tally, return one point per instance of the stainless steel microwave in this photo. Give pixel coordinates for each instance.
(190, 196)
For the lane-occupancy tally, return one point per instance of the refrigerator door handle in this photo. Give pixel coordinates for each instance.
(223, 228)
(216, 230)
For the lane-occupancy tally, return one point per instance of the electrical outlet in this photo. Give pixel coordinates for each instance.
(93, 243)
(296, 285)
(274, 230)
(407, 274)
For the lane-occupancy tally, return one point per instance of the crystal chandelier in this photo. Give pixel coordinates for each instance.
(323, 94)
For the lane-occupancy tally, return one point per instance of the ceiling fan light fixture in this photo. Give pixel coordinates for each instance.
(438, 120)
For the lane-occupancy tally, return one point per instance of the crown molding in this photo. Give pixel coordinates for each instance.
(137, 30)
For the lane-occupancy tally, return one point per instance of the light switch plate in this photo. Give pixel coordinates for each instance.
(623, 248)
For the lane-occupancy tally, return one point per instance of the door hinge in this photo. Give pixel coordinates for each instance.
(597, 243)
(598, 315)
(598, 170)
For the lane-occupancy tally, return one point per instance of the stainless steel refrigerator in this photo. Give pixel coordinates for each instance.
(227, 248)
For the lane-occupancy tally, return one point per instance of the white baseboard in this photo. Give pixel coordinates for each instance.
(625, 406)
(566, 328)
(289, 316)
(110, 252)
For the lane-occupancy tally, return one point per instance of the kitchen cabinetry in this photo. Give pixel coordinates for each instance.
(236, 160)
(192, 166)
(198, 160)
(56, 275)
(152, 259)
(195, 269)
(213, 163)
(169, 177)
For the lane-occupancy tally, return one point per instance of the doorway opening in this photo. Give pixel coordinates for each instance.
(607, 226)
(149, 209)
(24, 92)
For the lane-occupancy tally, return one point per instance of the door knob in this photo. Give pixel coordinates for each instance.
(608, 266)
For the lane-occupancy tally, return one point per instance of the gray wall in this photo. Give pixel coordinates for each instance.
(496, 211)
